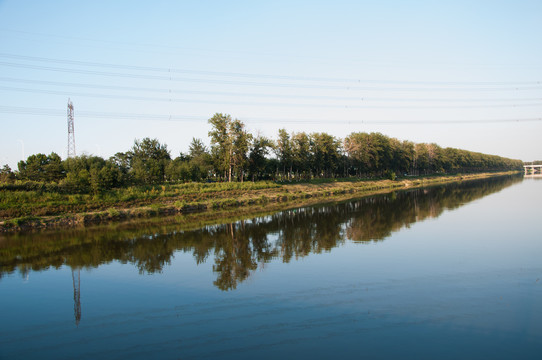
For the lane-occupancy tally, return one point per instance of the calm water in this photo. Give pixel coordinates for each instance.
(445, 272)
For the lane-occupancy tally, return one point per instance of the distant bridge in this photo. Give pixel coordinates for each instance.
(533, 169)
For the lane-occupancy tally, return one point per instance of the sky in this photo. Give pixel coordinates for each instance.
(462, 74)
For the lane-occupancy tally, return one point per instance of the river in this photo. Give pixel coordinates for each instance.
(444, 272)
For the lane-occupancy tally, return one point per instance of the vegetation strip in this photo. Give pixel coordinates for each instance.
(196, 197)
(46, 191)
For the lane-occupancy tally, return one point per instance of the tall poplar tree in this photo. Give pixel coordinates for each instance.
(221, 145)
(229, 145)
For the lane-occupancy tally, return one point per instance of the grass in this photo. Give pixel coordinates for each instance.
(17, 203)
(20, 208)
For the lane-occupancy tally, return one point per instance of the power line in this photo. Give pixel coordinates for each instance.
(258, 95)
(538, 86)
(378, 62)
(198, 118)
(265, 76)
(273, 104)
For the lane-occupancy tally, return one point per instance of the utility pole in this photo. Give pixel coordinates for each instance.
(71, 134)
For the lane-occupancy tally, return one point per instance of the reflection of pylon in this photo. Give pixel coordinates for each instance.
(76, 278)
(71, 134)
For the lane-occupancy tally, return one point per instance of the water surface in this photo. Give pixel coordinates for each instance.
(448, 271)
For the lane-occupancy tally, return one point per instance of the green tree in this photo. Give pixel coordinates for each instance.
(301, 155)
(221, 144)
(200, 160)
(229, 146)
(257, 161)
(356, 146)
(178, 170)
(326, 154)
(197, 149)
(91, 174)
(54, 171)
(241, 141)
(104, 178)
(283, 150)
(122, 161)
(40, 167)
(434, 154)
(6, 175)
(148, 161)
(421, 159)
(402, 156)
(382, 152)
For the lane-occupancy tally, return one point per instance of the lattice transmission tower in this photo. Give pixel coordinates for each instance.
(71, 134)
(76, 278)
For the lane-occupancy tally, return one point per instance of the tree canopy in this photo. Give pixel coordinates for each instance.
(235, 155)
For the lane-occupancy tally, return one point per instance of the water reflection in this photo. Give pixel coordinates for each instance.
(239, 248)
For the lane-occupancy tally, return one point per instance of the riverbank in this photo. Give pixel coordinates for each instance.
(65, 212)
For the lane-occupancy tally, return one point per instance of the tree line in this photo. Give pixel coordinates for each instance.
(236, 155)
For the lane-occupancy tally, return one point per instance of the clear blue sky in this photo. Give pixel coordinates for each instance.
(464, 74)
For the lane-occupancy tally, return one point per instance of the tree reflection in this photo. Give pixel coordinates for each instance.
(239, 248)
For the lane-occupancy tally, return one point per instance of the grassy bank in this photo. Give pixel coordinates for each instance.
(38, 209)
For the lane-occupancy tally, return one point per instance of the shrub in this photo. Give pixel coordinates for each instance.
(113, 212)
(390, 175)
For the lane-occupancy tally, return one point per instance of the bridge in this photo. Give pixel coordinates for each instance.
(532, 169)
